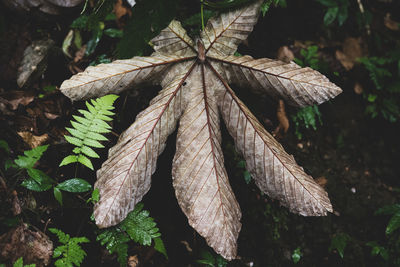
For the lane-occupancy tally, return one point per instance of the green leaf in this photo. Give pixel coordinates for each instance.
(339, 242)
(96, 195)
(68, 160)
(342, 14)
(89, 152)
(247, 177)
(19, 263)
(296, 255)
(159, 246)
(74, 185)
(114, 33)
(330, 15)
(328, 3)
(85, 161)
(73, 140)
(70, 252)
(115, 241)
(58, 195)
(31, 157)
(35, 186)
(393, 224)
(388, 210)
(4, 146)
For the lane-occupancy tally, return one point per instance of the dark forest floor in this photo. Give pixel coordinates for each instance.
(355, 157)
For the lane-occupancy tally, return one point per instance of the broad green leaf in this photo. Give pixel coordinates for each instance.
(35, 186)
(68, 160)
(74, 185)
(39, 176)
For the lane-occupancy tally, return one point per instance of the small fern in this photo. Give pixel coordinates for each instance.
(71, 252)
(376, 69)
(88, 130)
(137, 226)
(20, 263)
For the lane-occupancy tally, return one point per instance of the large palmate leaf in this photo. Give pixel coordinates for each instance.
(195, 79)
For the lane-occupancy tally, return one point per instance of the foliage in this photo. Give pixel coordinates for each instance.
(310, 58)
(137, 226)
(276, 219)
(88, 130)
(267, 4)
(211, 260)
(383, 98)
(148, 18)
(339, 243)
(306, 117)
(377, 249)
(394, 222)
(246, 173)
(38, 180)
(337, 10)
(20, 263)
(96, 24)
(296, 255)
(70, 251)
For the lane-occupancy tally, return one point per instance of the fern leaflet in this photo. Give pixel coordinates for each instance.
(71, 252)
(137, 226)
(89, 129)
(20, 263)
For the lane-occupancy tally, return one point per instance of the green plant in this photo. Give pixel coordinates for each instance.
(38, 180)
(306, 117)
(96, 24)
(310, 58)
(87, 131)
(389, 250)
(339, 243)
(296, 255)
(70, 251)
(208, 259)
(137, 226)
(337, 9)
(19, 263)
(384, 73)
(268, 3)
(377, 249)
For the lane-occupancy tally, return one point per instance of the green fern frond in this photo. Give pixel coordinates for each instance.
(71, 252)
(137, 226)
(20, 263)
(115, 241)
(87, 130)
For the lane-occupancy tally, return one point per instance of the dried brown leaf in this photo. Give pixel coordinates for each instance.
(195, 91)
(33, 140)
